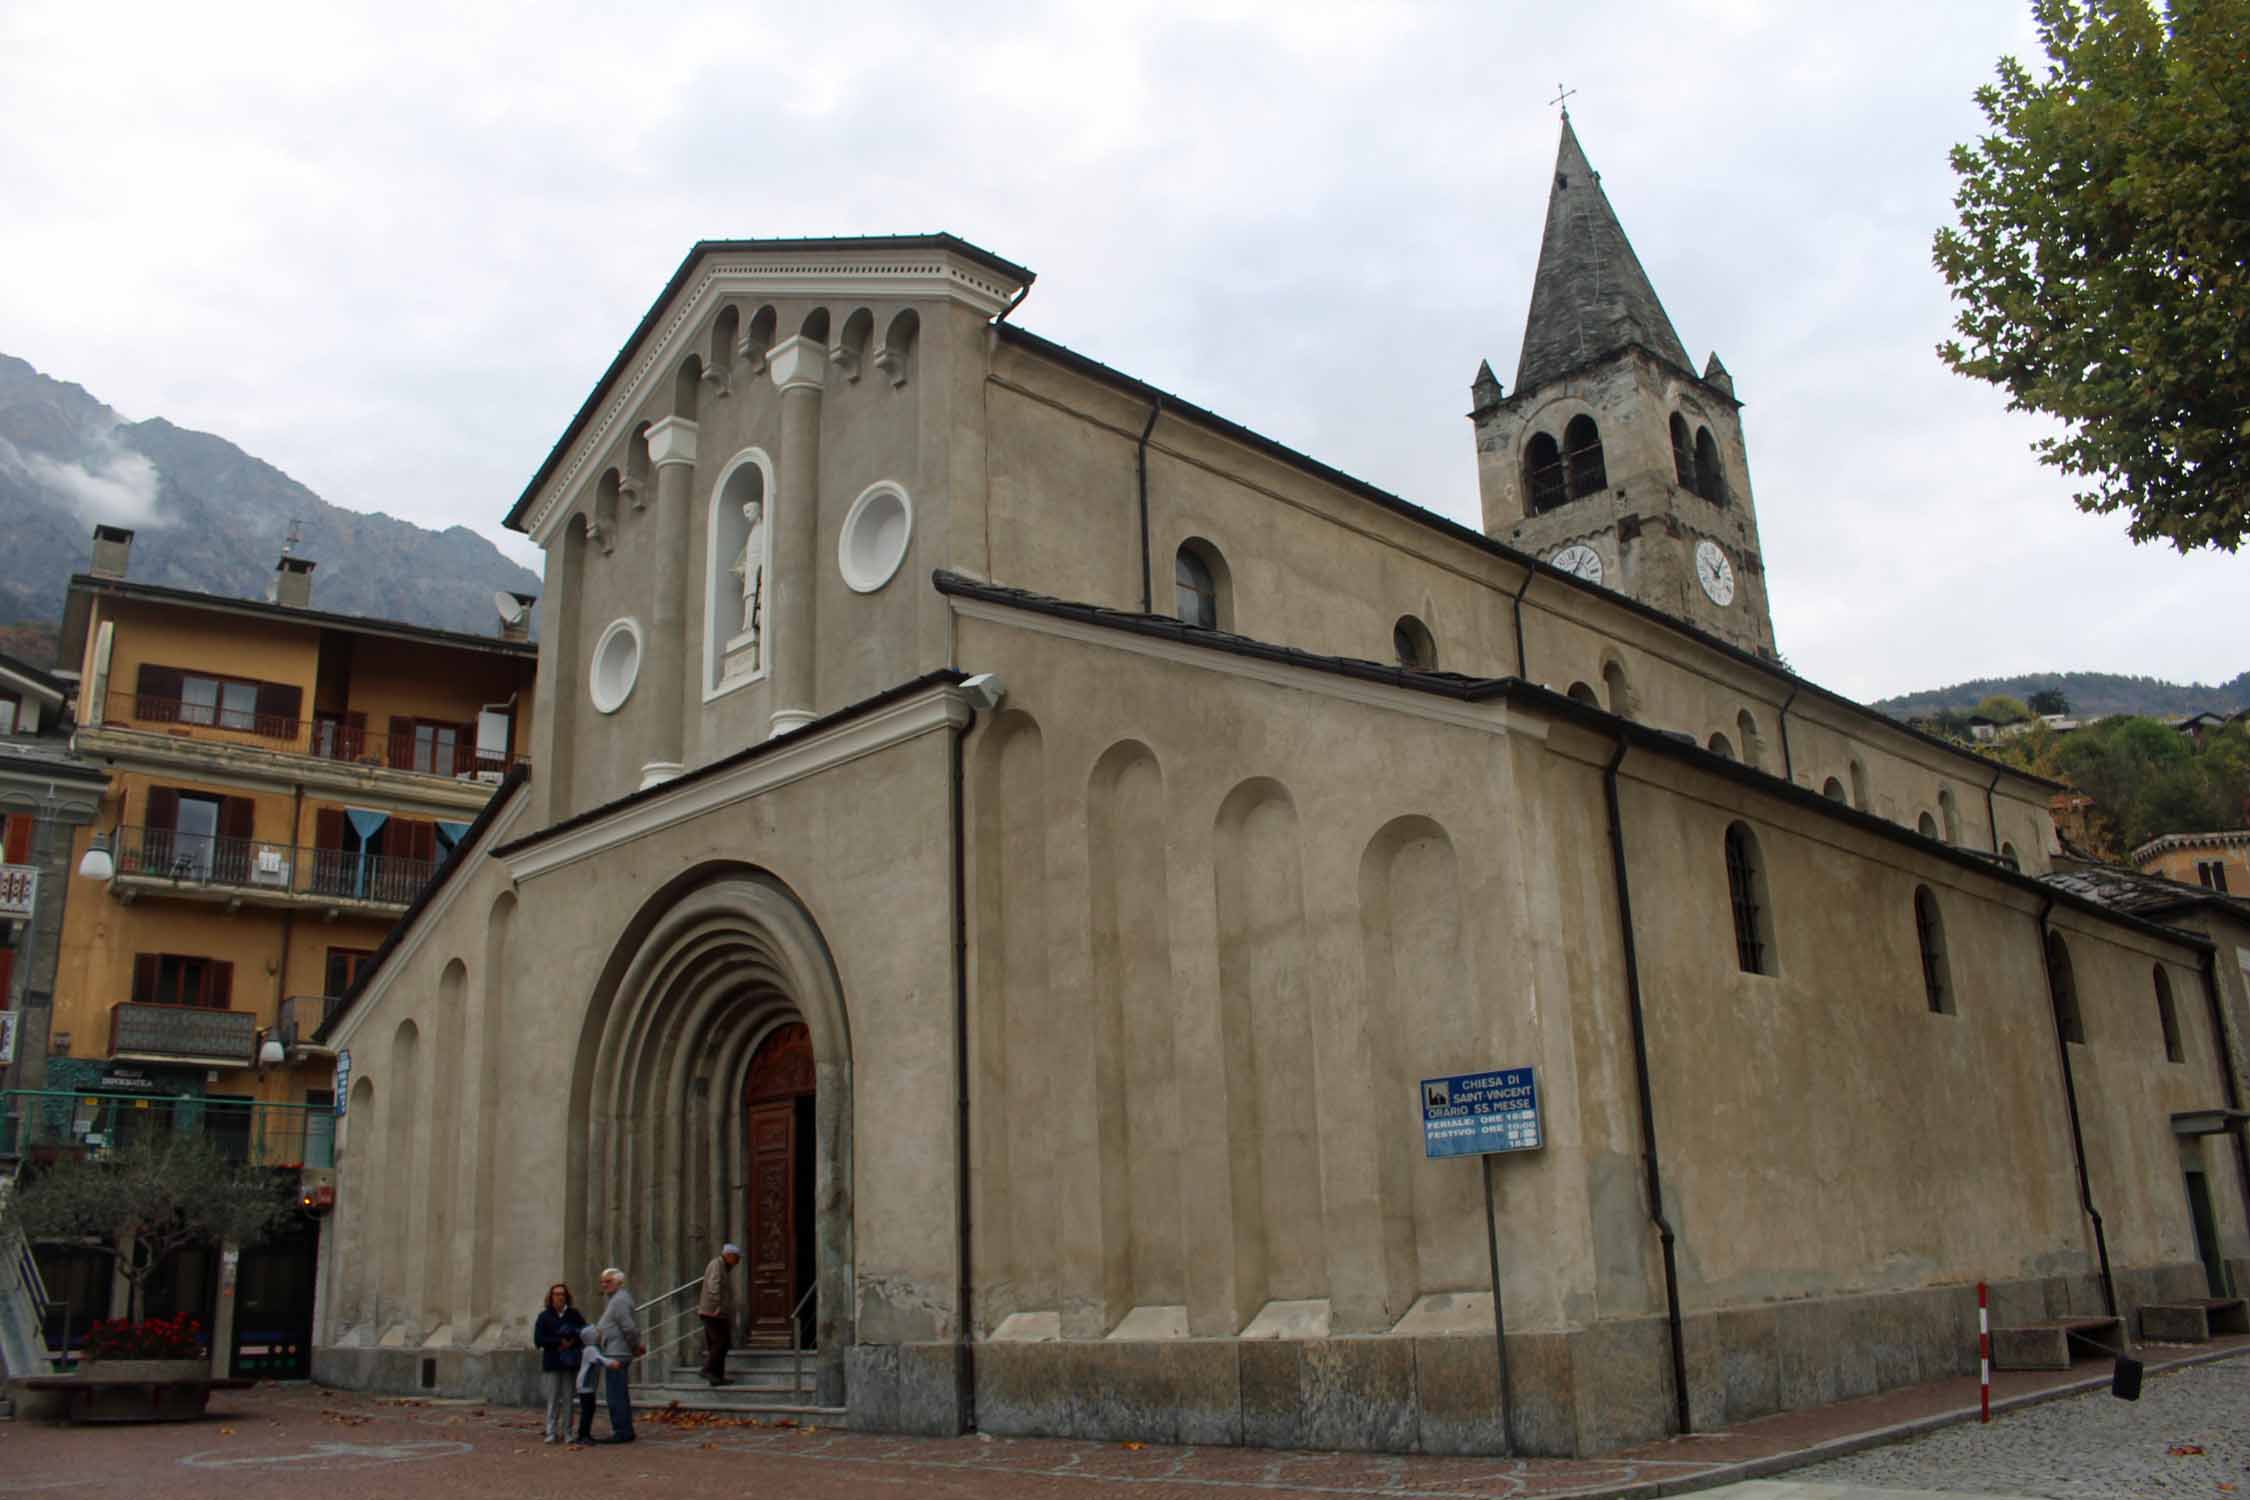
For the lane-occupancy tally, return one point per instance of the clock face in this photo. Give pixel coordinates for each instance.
(1714, 572)
(1580, 559)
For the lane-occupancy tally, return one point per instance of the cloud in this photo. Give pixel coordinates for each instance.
(120, 489)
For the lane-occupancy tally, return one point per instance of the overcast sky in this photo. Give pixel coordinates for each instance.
(391, 251)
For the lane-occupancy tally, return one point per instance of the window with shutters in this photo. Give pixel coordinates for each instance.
(182, 979)
(440, 747)
(192, 696)
(339, 735)
(344, 965)
(193, 835)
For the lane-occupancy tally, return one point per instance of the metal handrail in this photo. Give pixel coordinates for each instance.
(796, 1343)
(657, 1351)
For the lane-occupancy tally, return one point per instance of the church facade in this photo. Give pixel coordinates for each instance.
(1005, 844)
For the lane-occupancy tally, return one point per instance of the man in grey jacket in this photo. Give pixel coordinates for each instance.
(616, 1342)
(715, 1305)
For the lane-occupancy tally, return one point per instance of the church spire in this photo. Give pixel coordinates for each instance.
(1591, 298)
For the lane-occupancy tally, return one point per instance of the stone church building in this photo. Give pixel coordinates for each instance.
(1004, 844)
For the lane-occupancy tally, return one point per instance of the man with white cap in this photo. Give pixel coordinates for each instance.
(716, 1307)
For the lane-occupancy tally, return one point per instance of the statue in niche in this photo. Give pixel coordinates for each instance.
(749, 568)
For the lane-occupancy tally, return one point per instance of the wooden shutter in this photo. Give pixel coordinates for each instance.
(160, 682)
(278, 700)
(410, 838)
(218, 983)
(18, 840)
(328, 828)
(237, 817)
(7, 977)
(144, 978)
(163, 808)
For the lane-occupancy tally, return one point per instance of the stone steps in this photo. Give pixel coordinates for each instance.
(736, 1401)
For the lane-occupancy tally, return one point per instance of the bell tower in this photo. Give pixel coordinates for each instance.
(1614, 459)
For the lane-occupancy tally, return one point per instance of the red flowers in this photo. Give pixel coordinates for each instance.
(156, 1338)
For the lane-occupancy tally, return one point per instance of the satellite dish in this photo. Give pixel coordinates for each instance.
(513, 611)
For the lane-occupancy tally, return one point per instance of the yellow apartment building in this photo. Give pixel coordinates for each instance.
(281, 784)
(2217, 861)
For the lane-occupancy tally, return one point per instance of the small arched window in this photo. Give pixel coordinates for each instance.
(1583, 692)
(1926, 826)
(1413, 645)
(1544, 486)
(2168, 1018)
(1746, 893)
(1860, 799)
(2062, 989)
(1929, 934)
(1832, 789)
(1720, 745)
(1199, 577)
(1949, 815)
(1710, 477)
(1619, 688)
(1683, 453)
(2008, 857)
(1582, 452)
(1753, 743)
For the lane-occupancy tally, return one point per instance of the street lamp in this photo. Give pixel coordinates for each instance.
(95, 863)
(271, 1054)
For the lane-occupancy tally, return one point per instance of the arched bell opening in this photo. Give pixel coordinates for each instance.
(720, 997)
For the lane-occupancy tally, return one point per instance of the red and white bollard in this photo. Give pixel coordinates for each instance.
(1984, 1355)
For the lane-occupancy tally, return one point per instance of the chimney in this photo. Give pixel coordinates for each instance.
(515, 624)
(112, 546)
(292, 582)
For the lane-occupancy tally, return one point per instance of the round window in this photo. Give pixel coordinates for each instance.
(617, 662)
(875, 536)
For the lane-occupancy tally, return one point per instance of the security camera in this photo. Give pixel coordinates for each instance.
(985, 691)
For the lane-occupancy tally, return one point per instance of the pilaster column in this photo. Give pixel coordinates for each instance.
(663, 675)
(800, 368)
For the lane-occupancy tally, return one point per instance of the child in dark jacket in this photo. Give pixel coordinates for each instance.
(557, 1335)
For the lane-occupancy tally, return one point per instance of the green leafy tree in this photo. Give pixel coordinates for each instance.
(2002, 709)
(2048, 701)
(2099, 262)
(146, 1200)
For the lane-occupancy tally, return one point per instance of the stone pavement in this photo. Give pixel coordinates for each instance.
(295, 1439)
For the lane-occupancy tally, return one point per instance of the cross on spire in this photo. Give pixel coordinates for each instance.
(1561, 100)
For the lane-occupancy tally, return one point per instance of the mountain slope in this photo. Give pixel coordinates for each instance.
(208, 516)
(2090, 693)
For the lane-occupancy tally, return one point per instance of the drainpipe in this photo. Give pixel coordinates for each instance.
(1140, 470)
(964, 1330)
(1640, 1077)
(1013, 303)
(1523, 664)
(1788, 761)
(2225, 1058)
(289, 918)
(2077, 1133)
(1992, 812)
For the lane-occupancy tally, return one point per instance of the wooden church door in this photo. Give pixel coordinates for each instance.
(780, 1089)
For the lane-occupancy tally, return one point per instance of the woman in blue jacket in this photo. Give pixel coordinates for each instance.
(557, 1335)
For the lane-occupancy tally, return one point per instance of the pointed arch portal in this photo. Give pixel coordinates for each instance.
(719, 1012)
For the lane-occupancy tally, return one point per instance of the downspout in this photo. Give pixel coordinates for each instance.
(1014, 302)
(289, 917)
(1523, 664)
(2070, 1096)
(2225, 1058)
(1992, 811)
(1640, 1077)
(963, 1293)
(1140, 472)
(1788, 761)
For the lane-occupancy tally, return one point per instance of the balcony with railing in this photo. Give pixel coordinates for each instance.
(56, 1121)
(163, 861)
(301, 1016)
(428, 750)
(197, 1035)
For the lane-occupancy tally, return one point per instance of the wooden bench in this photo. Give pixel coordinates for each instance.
(2194, 1321)
(2055, 1343)
(95, 1399)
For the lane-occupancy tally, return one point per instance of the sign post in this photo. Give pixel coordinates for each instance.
(1484, 1115)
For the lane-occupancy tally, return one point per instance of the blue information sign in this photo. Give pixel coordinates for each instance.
(1473, 1114)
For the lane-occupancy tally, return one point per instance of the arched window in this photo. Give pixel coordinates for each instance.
(1544, 487)
(2168, 1018)
(1199, 576)
(1413, 645)
(1710, 477)
(1619, 688)
(1753, 743)
(1719, 745)
(1746, 892)
(1860, 799)
(1683, 453)
(1926, 826)
(2062, 988)
(1929, 933)
(1583, 692)
(1949, 816)
(2008, 857)
(1582, 452)
(1832, 789)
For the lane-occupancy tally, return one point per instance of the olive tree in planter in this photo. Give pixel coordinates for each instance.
(145, 1200)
